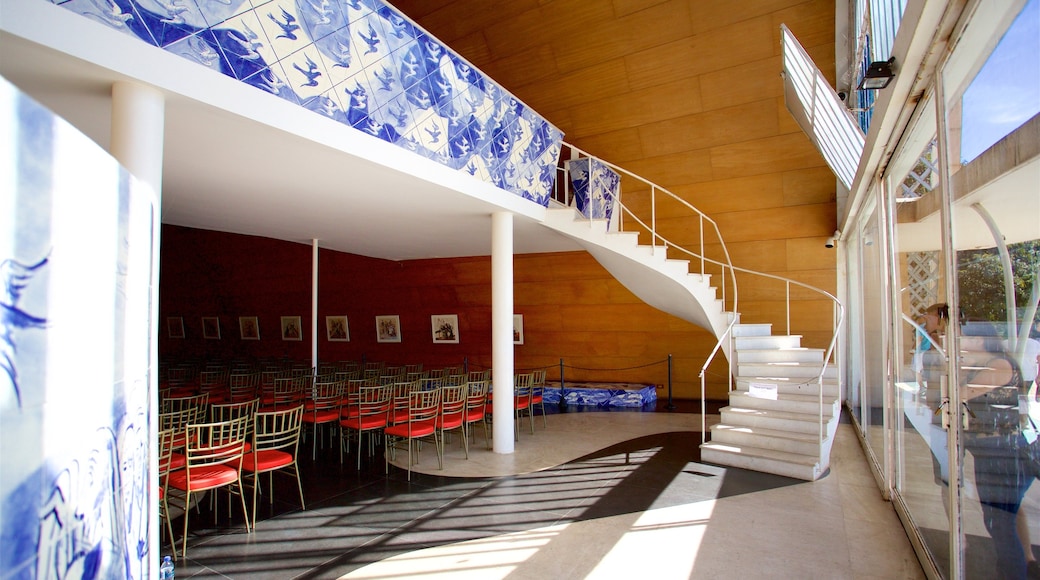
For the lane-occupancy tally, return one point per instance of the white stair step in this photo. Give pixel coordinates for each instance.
(793, 386)
(767, 342)
(740, 436)
(801, 354)
(768, 419)
(776, 462)
(807, 404)
(785, 369)
(631, 238)
(741, 330)
(678, 267)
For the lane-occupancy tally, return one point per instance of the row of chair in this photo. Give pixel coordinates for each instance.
(205, 448)
(407, 412)
(402, 412)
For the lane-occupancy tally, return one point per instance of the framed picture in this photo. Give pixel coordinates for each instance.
(445, 328)
(518, 329)
(175, 326)
(388, 328)
(292, 328)
(336, 329)
(211, 327)
(249, 327)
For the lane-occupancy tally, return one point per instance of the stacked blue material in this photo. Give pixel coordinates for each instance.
(602, 394)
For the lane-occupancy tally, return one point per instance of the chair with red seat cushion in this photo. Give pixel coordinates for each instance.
(476, 408)
(452, 416)
(369, 414)
(276, 439)
(165, 466)
(522, 400)
(229, 411)
(214, 380)
(538, 393)
(243, 386)
(400, 392)
(288, 393)
(323, 407)
(423, 411)
(214, 460)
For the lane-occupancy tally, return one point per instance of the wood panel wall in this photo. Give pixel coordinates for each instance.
(688, 94)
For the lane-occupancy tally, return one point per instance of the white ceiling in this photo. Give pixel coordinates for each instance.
(226, 172)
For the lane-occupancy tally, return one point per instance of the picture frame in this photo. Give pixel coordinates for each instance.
(249, 328)
(211, 327)
(445, 328)
(518, 329)
(292, 328)
(175, 326)
(337, 329)
(388, 328)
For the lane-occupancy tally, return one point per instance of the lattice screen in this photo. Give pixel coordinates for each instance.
(923, 280)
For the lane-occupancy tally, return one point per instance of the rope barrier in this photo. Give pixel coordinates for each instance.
(665, 361)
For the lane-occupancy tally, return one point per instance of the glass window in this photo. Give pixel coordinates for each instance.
(1006, 92)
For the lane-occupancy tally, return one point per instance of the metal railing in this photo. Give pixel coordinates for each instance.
(723, 265)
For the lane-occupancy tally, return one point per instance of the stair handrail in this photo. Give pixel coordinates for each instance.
(838, 314)
(704, 369)
(655, 236)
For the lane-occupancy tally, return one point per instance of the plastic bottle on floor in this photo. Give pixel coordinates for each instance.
(166, 569)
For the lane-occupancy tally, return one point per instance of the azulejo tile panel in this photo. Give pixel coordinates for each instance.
(76, 260)
(363, 64)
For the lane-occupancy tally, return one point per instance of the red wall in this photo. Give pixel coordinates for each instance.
(206, 273)
(573, 310)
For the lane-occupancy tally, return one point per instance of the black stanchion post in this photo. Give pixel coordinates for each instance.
(465, 366)
(671, 406)
(563, 394)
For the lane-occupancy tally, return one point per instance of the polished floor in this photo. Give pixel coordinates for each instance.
(593, 495)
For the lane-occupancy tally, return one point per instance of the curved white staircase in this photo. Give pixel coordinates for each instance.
(775, 427)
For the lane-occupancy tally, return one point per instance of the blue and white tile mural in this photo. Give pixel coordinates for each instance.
(596, 187)
(76, 261)
(363, 64)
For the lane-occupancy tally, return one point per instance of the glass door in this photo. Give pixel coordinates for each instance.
(918, 356)
(990, 114)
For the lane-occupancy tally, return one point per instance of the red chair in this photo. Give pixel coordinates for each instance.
(369, 414)
(522, 400)
(452, 416)
(476, 409)
(423, 410)
(538, 393)
(399, 396)
(276, 439)
(243, 386)
(288, 393)
(322, 408)
(166, 465)
(213, 454)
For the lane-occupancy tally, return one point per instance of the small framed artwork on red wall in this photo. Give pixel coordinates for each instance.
(336, 329)
(388, 328)
(175, 326)
(292, 328)
(211, 327)
(249, 327)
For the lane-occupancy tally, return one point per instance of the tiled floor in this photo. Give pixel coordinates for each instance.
(594, 495)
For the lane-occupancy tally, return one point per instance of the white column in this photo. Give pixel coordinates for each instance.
(138, 122)
(314, 304)
(502, 330)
